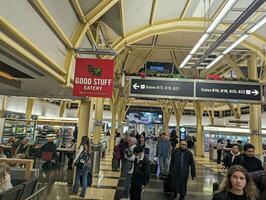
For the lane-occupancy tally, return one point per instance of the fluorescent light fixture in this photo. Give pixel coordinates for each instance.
(199, 43)
(241, 39)
(221, 15)
(185, 61)
(214, 61)
(93, 51)
(217, 20)
(257, 25)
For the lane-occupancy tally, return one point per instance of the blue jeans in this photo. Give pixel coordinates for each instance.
(127, 186)
(84, 172)
(164, 165)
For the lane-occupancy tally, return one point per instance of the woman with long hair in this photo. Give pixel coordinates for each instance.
(5, 178)
(82, 162)
(237, 185)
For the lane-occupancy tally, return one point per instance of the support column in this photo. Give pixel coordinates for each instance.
(29, 107)
(63, 105)
(255, 110)
(200, 134)
(167, 111)
(178, 108)
(98, 121)
(3, 108)
(84, 119)
(121, 113)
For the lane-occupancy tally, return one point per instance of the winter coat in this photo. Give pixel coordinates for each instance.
(179, 173)
(251, 164)
(141, 173)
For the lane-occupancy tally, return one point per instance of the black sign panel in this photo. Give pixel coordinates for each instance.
(228, 91)
(162, 88)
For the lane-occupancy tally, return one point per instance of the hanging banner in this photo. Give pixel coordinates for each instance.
(93, 78)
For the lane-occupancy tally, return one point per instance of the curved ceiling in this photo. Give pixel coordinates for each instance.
(44, 33)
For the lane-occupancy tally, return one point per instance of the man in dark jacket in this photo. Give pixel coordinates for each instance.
(248, 160)
(141, 174)
(50, 147)
(230, 156)
(181, 160)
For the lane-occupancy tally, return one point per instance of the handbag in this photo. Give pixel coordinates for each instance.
(82, 160)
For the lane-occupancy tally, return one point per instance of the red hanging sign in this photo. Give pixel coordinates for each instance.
(93, 78)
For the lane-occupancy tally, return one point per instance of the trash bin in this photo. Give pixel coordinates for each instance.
(96, 157)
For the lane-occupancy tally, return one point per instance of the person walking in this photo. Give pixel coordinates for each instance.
(82, 162)
(181, 161)
(220, 146)
(237, 185)
(230, 156)
(130, 158)
(141, 174)
(248, 159)
(163, 153)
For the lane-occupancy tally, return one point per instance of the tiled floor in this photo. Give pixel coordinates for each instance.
(108, 185)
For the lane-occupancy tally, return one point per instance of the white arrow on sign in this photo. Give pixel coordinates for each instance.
(135, 86)
(255, 92)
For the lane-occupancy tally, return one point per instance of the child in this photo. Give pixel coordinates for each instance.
(5, 178)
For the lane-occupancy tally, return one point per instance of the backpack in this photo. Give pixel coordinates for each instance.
(83, 159)
(117, 153)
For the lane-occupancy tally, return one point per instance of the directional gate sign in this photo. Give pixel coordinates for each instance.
(228, 91)
(162, 88)
(196, 89)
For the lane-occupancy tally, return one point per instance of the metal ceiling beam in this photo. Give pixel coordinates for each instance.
(173, 56)
(21, 39)
(99, 10)
(76, 39)
(184, 12)
(77, 8)
(50, 21)
(153, 11)
(122, 17)
(234, 66)
(20, 51)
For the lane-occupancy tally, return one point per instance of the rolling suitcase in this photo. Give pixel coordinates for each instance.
(154, 167)
(215, 186)
(115, 164)
(167, 186)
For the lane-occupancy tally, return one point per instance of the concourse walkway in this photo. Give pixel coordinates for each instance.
(108, 185)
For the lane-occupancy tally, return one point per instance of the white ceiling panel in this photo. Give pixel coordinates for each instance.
(193, 6)
(169, 10)
(63, 14)
(262, 31)
(161, 56)
(88, 5)
(242, 3)
(178, 39)
(25, 19)
(201, 8)
(112, 18)
(135, 59)
(146, 41)
(137, 13)
(214, 6)
(85, 43)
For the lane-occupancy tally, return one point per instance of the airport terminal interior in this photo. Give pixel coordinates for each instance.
(102, 91)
